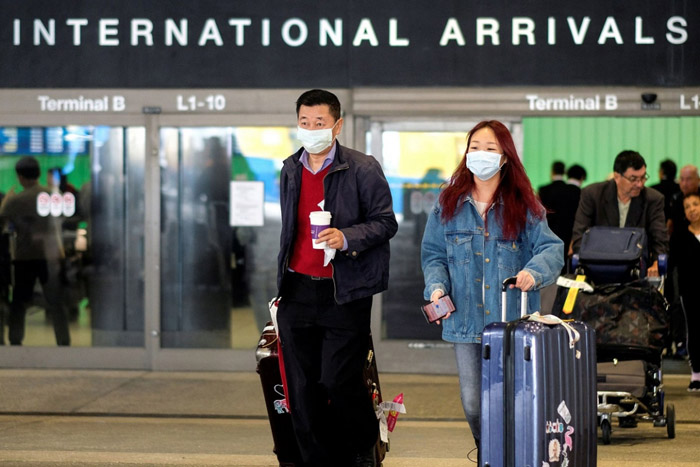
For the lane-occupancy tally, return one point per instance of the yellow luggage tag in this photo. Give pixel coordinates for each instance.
(571, 296)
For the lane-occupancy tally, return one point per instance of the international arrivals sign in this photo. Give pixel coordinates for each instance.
(348, 43)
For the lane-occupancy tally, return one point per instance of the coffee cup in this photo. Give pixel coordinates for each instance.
(320, 221)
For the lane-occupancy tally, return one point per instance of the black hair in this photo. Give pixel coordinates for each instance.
(320, 97)
(558, 168)
(627, 159)
(668, 167)
(576, 172)
(28, 167)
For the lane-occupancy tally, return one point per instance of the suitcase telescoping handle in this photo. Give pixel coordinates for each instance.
(504, 293)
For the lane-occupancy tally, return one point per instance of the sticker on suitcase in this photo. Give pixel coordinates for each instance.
(280, 404)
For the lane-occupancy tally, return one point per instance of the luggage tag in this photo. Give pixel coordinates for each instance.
(574, 287)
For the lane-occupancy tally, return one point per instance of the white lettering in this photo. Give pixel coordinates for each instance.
(118, 103)
(141, 28)
(394, 40)
(551, 31)
(265, 32)
(210, 32)
(326, 31)
(571, 103)
(240, 24)
(173, 33)
(181, 107)
(578, 34)
(523, 27)
(638, 34)
(610, 31)
(365, 32)
(303, 32)
(677, 25)
(684, 106)
(15, 32)
(76, 24)
(49, 34)
(108, 27)
(452, 32)
(79, 104)
(487, 27)
(610, 102)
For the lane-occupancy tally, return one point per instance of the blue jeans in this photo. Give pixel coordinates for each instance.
(469, 370)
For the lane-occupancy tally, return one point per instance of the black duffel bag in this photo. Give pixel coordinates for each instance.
(632, 314)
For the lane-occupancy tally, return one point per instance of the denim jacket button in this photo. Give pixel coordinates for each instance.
(487, 260)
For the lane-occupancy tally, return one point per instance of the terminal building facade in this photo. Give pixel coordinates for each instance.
(167, 123)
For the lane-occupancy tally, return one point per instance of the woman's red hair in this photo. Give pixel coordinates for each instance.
(514, 188)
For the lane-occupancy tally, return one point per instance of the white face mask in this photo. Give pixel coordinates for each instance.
(483, 164)
(315, 141)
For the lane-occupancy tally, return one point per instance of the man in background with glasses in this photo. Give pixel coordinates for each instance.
(624, 201)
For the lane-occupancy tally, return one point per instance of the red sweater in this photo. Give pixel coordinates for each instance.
(305, 258)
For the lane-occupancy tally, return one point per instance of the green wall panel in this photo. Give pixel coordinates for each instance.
(593, 142)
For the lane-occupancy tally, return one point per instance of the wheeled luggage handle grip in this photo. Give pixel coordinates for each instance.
(504, 293)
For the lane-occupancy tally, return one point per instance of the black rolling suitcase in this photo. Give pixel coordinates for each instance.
(285, 446)
(267, 356)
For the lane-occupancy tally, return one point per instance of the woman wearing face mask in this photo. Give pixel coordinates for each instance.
(486, 226)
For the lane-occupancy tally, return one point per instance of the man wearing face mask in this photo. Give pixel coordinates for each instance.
(324, 312)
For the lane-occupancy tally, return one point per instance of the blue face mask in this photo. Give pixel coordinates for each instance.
(483, 164)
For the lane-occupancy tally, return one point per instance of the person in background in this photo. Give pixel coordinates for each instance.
(324, 312)
(576, 175)
(689, 182)
(561, 200)
(685, 255)
(37, 255)
(667, 185)
(486, 226)
(625, 202)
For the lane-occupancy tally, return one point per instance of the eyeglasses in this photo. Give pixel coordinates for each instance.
(635, 179)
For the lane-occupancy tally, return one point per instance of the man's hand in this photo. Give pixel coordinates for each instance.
(653, 270)
(334, 238)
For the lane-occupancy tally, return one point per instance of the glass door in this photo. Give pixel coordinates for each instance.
(220, 226)
(71, 246)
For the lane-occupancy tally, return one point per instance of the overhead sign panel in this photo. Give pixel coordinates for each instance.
(337, 43)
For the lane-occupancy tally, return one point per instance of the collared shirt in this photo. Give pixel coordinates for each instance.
(330, 157)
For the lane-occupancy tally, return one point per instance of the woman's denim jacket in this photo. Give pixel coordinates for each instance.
(464, 260)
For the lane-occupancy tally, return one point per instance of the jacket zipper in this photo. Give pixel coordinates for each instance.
(324, 207)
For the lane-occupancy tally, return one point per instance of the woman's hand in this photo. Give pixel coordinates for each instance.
(524, 281)
(434, 298)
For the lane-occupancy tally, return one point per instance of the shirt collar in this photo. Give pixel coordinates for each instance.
(330, 157)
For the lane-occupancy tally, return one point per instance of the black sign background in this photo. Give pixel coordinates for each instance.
(422, 63)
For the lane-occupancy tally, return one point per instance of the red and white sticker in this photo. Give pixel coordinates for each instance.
(56, 204)
(68, 204)
(43, 204)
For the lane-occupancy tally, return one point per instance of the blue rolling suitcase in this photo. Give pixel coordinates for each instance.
(538, 393)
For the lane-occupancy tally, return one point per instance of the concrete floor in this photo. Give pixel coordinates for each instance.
(117, 418)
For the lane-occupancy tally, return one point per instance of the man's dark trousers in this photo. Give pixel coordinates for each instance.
(324, 347)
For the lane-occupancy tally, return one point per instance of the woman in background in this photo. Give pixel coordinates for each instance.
(685, 255)
(487, 226)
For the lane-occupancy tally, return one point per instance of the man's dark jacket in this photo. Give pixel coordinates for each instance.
(357, 196)
(561, 200)
(598, 206)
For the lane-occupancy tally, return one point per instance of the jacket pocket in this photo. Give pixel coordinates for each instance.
(510, 256)
(459, 247)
